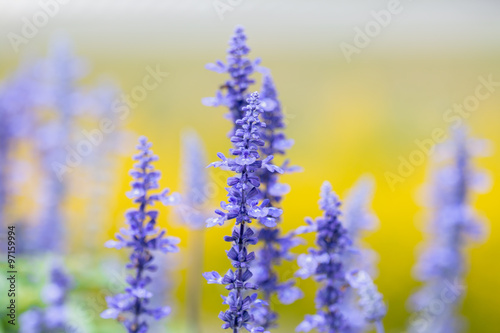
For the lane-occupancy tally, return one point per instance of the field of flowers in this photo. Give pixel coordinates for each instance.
(296, 184)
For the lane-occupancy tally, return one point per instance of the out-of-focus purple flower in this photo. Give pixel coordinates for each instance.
(275, 247)
(54, 317)
(143, 237)
(233, 92)
(19, 95)
(358, 219)
(325, 263)
(54, 129)
(191, 209)
(453, 223)
(370, 300)
(243, 207)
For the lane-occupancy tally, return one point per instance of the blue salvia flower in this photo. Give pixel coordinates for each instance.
(442, 264)
(370, 300)
(243, 207)
(63, 70)
(233, 92)
(54, 317)
(358, 219)
(19, 95)
(101, 166)
(191, 211)
(131, 307)
(325, 263)
(275, 246)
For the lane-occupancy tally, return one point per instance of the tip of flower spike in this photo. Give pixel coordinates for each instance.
(239, 29)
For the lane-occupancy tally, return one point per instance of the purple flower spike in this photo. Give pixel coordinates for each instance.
(326, 264)
(370, 300)
(54, 317)
(453, 223)
(233, 92)
(358, 219)
(143, 238)
(242, 206)
(191, 211)
(275, 246)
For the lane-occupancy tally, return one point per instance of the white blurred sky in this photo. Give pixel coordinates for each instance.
(111, 26)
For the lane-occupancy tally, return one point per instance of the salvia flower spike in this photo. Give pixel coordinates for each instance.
(442, 263)
(142, 237)
(243, 207)
(54, 317)
(275, 247)
(233, 93)
(370, 300)
(192, 209)
(325, 263)
(358, 219)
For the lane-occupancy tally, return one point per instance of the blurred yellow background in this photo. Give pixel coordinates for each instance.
(347, 119)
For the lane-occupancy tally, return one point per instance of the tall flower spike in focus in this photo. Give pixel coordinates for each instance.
(275, 246)
(131, 308)
(233, 93)
(243, 207)
(325, 263)
(453, 223)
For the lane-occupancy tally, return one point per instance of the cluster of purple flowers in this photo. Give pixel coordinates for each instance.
(54, 317)
(347, 300)
(373, 309)
(275, 247)
(326, 264)
(243, 207)
(330, 264)
(131, 307)
(233, 92)
(358, 219)
(453, 223)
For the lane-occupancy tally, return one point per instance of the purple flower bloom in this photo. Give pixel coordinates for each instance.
(243, 207)
(326, 264)
(131, 307)
(240, 68)
(61, 100)
(54, 317)
(358, 219)
(453, 223)
(191, 210)
(371, 301)
(275, 246)
(18, 97)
